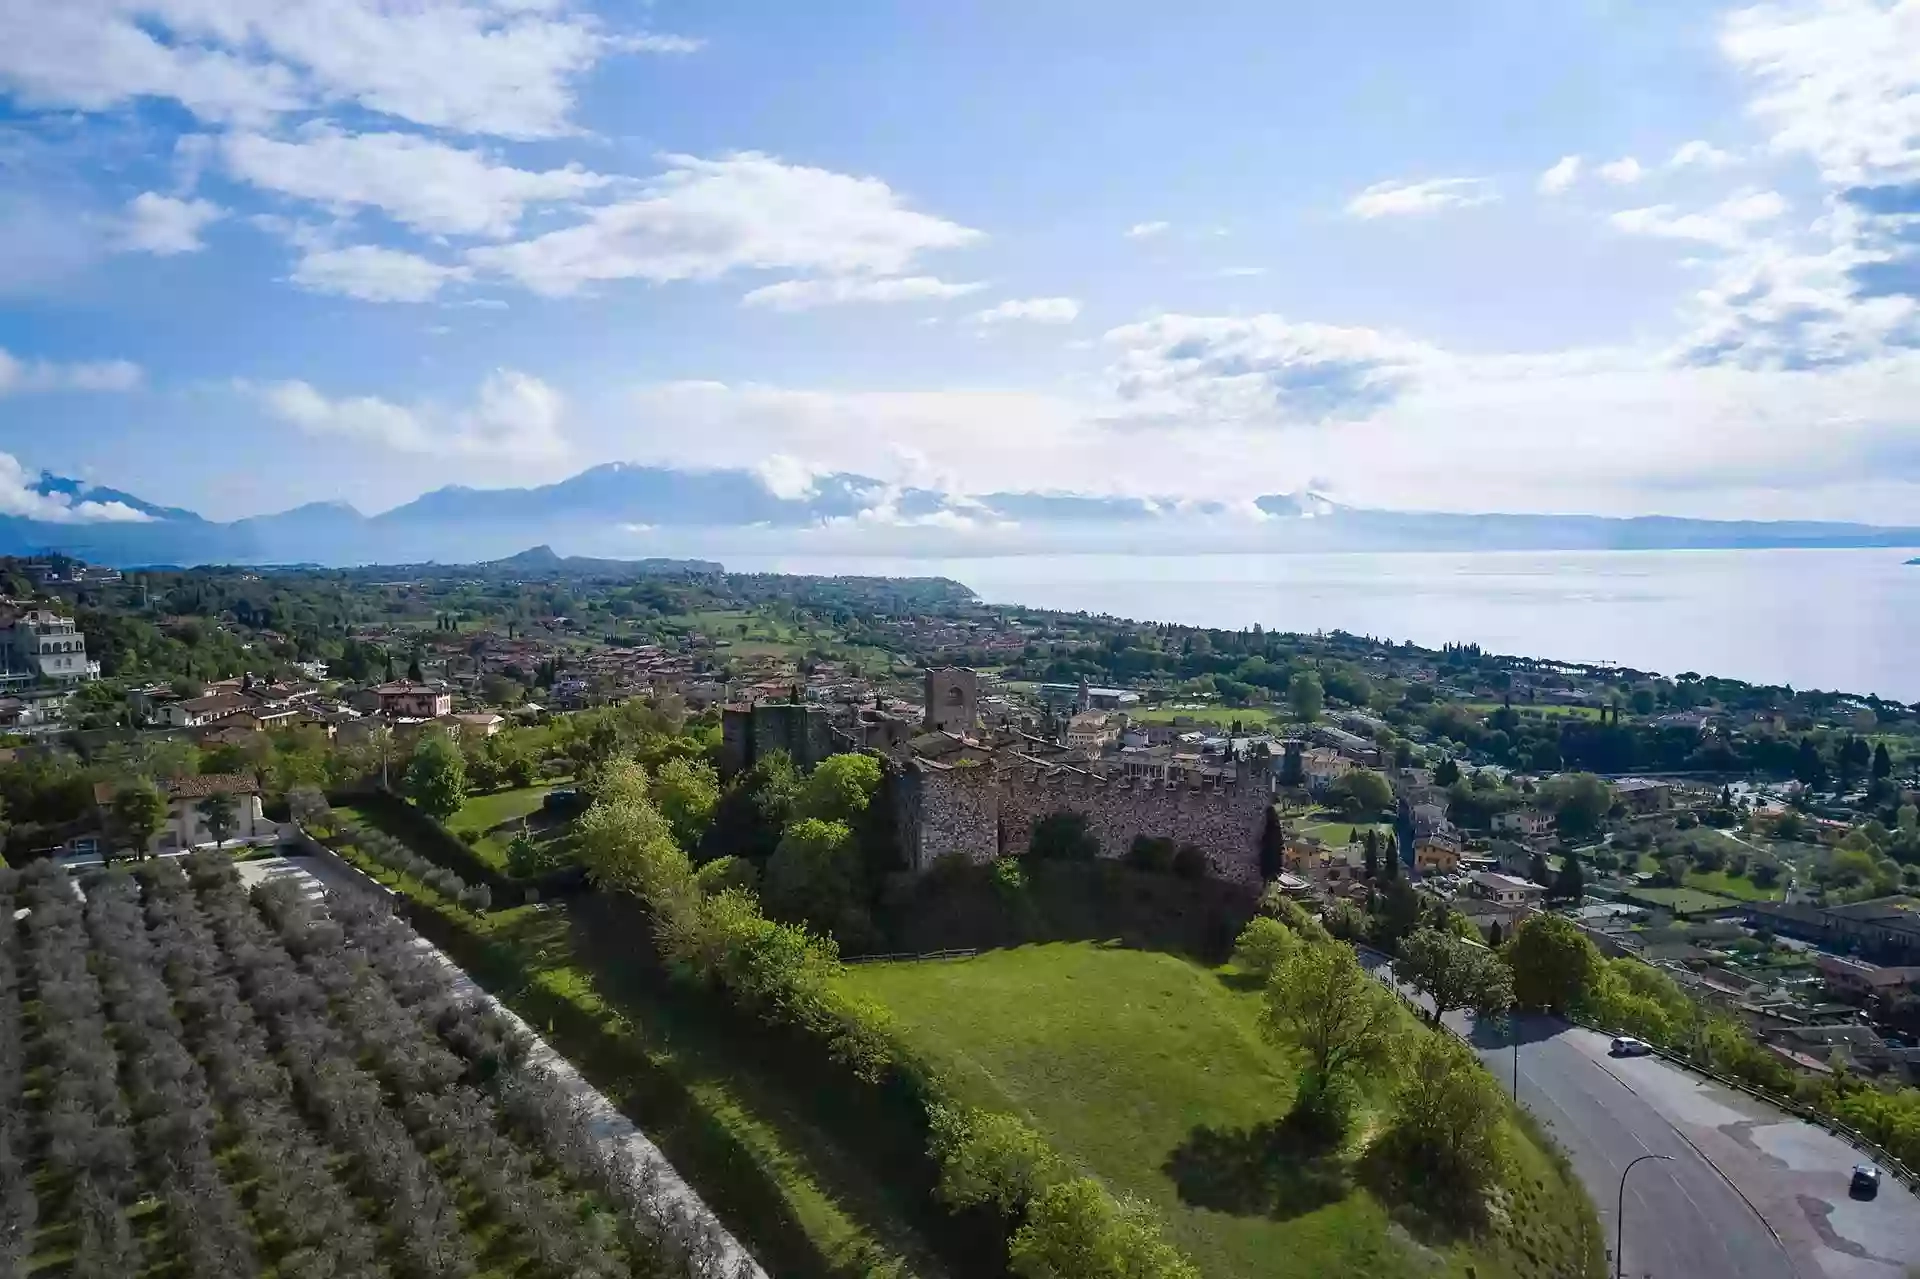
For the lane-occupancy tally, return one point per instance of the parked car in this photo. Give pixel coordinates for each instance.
(1866, 1181)
(1628, 1046)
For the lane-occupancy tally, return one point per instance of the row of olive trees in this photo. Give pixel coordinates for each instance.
(534, 1106)
(300, 1201)
(173, 1116)
(87, 1127)
(310, 810)
(19, 1209)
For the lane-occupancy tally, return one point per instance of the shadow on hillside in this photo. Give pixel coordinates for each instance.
(1491, 1034)
(959, 906)
(1435, 1209)
(1274, 1170)
(1241, 982)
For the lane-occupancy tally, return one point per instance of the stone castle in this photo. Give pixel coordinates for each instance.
(958, 791)
(979, 810)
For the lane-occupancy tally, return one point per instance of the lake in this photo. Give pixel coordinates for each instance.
(1833, 619)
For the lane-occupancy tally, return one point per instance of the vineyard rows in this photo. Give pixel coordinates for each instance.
(200, 1082)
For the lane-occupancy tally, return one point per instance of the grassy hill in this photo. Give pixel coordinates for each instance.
(1149, 1071)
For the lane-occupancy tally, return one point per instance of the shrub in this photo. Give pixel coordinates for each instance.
(1009, 879)
(1064, 837)
(989, 1158)
(1264, 945)
(1149, 852)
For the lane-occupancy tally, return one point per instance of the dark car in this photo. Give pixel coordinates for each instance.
(1866, 1181)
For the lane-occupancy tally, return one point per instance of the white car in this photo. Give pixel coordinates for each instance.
(1628, 1046)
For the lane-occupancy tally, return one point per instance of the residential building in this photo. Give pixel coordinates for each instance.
(194, 712)
(1643, 795)
(186, 822)
(41, 645)
(1506, 890)
(1436, 854)
(1089, 732)
(1320, 767)
(409, 700)
(1523, 822)
(1857, 979)
(473, 724)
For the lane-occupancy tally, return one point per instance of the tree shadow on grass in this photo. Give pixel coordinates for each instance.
(1243, 982)
(1277, 1170)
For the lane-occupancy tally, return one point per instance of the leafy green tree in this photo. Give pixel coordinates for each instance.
(754, 809)
(1273, 845)
(1538, 871)
(1882, 762)
(988, 1157)
(1445, 1129)
(1554, 965)
(1570, 885)
(1362, 792)
(627, 846)
(1454, 973)
(839, 788)
(1446, 772)
(687, 791)
(1063, 836)
(1581, 802)
(814, 877)
(1306, 695)
(1343, 1021)
(137, 812)
(527, 858)
(218, 816)
(1264, 945)
(1075, 1230)
(1372, 853)
(436, 778)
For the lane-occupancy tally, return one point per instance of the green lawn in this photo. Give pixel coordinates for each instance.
(1340, 833)
(498, 817)
(1727, 885)
(1219, 716)
(1150, 1071)
(1541, 710)
(1681, 901)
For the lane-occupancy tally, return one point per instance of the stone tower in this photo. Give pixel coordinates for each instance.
(953, 700)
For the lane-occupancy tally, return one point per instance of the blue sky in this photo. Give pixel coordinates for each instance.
(1615, 257)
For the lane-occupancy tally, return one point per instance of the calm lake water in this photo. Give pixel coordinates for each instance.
(1845, 620)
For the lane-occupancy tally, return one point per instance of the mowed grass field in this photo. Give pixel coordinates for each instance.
(1251, 717)
(1151, 1073)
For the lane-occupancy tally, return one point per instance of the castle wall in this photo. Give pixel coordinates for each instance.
(965, 811)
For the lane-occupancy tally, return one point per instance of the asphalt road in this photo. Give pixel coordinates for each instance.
(1747, 1193)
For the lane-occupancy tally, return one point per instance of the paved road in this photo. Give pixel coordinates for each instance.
(1749, 1192)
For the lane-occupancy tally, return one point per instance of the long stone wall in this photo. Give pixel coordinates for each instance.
(982, 811)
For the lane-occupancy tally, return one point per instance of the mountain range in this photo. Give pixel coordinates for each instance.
(630, 511)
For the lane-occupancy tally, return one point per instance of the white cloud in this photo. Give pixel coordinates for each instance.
(514, 418)
(802, 295)
(1032, 310)
(1563, 174)
(468, 65)
(1261, 369)
(19, 497)
(1240, 272)
(1701, 155)
(1403, 199)
(786, 478)
(704, 218)
(1728, 224)
(1147, 230)
(23, 377)
(373, 274)
(1622, 172)
(1838, 81)
(426, 185)
(163, 225)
